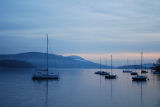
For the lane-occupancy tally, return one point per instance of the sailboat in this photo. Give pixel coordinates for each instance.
(100, 72)
(142, 70)
(46, 75)
(127, 71)
(134, 72)
(111, 76)
(104, 72)
(140, 77)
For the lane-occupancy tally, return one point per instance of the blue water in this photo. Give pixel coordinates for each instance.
(77, 88)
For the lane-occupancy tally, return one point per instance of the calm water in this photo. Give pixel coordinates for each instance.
(77, 88)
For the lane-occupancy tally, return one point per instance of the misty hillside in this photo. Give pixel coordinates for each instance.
(58, 61)
(15, 64)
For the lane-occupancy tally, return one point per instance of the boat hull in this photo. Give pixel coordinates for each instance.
(144, 71)
(45, 77)
(155, 72)
(104, 73)
(139, 78)
(98, 72)
(110, 76)
(134, 73)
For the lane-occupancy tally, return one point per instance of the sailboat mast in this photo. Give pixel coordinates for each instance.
(111, 64)
(100, 63)
(127, 63)
(106, 64)
(47, 54)
(141, 60)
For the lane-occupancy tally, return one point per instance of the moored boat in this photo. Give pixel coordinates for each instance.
(104, 73)
(143, 71)
(139, 78)
(45, 75)
(134, 73)
(156, 72)
(98, 72)
(111, 76)
(127, 71)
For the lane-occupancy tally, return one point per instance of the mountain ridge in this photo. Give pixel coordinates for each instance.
(38, 59)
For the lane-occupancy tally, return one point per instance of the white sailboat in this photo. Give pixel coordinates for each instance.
(142, 70)
(134, 72)
(140, 77)
(46, 75)
(127, 70)
(101, 72)
(111, 76)
(104, 73)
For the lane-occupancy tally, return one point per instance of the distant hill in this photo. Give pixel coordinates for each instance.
(15, 64)
(57, 61)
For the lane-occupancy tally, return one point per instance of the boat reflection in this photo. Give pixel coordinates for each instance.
(140, 85)
(46, 82)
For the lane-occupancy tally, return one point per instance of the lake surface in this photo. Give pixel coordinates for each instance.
(77, 88)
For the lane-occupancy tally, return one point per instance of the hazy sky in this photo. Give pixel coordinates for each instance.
(89, 28)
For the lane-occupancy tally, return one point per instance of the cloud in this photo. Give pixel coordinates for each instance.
(80, 26)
